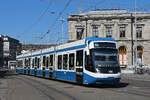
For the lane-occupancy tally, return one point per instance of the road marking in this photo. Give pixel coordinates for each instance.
(136, 87)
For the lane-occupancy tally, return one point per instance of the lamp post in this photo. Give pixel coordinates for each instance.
(135, 35)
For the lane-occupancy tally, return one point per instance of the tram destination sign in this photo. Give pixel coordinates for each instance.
(105, 45)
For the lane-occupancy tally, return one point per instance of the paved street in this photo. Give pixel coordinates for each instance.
(21, 87)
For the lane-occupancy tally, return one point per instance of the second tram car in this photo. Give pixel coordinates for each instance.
(88, 61)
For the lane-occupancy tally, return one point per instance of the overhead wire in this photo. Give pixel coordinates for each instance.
(59, 15)
(39, 19)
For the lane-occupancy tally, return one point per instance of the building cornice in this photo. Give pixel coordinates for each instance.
(85, 18)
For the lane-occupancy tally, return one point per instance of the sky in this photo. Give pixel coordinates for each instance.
(39, 21)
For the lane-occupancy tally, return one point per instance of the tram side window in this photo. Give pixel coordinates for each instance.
(88, 63)
(65, 61)
(51, 60)
(19, 63)
(26, 62)
(29, 62)
(44, 60)
(71, 61)
(79, 58)
(38, 63)
(47, 62)
(60, 62)
(33, 62)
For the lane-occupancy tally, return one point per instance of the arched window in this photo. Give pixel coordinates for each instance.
(139, 54)
(123, 55)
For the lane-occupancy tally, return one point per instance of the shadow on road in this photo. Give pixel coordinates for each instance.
(4, 74)
(121, 85)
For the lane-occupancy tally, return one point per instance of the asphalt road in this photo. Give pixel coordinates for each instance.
(22, 87)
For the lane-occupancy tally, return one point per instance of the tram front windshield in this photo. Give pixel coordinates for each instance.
(105, 60)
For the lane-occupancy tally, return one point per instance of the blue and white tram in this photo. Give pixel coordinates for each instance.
(88, 61)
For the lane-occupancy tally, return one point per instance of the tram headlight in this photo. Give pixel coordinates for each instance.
(99, 65)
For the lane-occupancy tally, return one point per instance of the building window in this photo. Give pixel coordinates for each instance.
(95, 31)
(139, 32)
(123, 56)
(108, 32)
(79, 32)
(139, 56)
(122, 31)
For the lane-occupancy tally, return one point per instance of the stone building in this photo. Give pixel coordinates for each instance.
(118, 24)
(27, 47)
(1, 52)
(10, 48)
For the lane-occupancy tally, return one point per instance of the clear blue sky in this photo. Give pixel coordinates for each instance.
(29, 20)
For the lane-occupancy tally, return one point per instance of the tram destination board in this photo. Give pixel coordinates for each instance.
(104, 44)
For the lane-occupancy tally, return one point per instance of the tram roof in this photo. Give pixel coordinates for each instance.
(64, 46)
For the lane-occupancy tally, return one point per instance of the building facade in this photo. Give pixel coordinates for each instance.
(27, 47)
(10, 48)
(1, 52)
(130, 34)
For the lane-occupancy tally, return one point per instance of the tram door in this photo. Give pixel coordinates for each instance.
(79, 66)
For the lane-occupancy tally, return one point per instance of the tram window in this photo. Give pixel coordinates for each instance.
(88, 63)
(79, 58)
(33, 62)
(60, 62)
(47, 63)
(51, 60)
(71, 61)
(65, 61)
(112, 58)
(38, 63)
(25, 62)
(20, 63)
(29, 61)
(44, 60)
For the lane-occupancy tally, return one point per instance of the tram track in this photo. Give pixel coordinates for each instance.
(38, 89)
(11, 88)
(46, 89)
(128, 90)
(132, 92)
(115, 89)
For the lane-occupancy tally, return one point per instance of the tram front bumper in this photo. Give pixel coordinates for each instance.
(105, 79)
(109, 80)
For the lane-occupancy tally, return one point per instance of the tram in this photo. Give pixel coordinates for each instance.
(88, 61)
